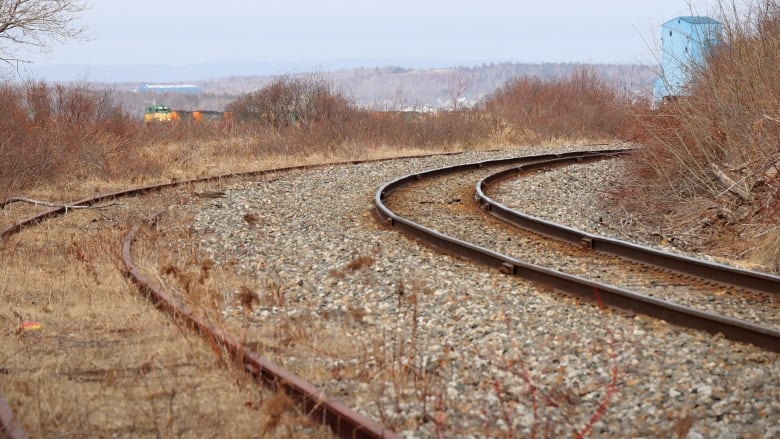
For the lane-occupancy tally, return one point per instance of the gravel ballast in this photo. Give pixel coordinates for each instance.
(452, 349)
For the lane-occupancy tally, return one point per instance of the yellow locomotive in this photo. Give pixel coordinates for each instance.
(159, 113)
(163, 113)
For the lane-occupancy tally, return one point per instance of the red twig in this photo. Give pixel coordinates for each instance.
(504, 410)
(439, 417)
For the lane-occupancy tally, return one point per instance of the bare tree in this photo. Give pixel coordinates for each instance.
(36, 25)
(458, 85)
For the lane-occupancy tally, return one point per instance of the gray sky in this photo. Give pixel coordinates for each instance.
(182, 32)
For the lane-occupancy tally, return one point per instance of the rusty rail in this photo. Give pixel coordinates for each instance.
(710, 271)
(36, 219)
(343, 421)
(734, 329)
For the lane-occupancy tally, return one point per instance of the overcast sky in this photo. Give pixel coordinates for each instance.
(181, 32)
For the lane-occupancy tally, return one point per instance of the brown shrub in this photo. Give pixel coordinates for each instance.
(50, 131)
(579, 106)
(730, 120)
(291, 115)
(716, 151)
(290, 101)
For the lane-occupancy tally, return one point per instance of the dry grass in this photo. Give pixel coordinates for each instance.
(105, 362)
(707, 176)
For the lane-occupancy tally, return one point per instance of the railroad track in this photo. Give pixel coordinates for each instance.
(343, 421)
(641, 285)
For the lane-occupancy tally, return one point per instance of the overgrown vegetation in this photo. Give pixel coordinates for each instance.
(50, 131)
(708, 175)
(581, 105)
(53, 133)
(310, 114)
(708, 166)
(104, 362)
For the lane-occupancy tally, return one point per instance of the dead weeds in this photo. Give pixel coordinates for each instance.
(84, 354)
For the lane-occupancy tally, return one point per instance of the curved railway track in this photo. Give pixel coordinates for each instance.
(685, 273)
(751, 280)
(343, 421)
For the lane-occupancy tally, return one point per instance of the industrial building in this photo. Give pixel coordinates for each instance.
(169, 88)
(685, 43)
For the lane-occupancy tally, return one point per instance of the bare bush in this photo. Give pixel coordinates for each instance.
(713, 155)
(290, 101)
(580, 105)
(53, 131)
(308, 115)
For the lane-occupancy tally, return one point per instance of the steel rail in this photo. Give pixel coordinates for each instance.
(734, 329)
(17, 226)
(342, 420)
(709, 271)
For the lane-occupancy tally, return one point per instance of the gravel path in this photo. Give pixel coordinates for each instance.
(441, 347)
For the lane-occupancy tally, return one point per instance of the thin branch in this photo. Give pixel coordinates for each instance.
(773, 119)
(51, 204)
(731, 185)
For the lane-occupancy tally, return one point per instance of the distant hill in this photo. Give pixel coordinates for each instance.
(393, 87)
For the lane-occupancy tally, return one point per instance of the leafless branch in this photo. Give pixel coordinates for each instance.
(731, 185)
(50, 204)
(458, 84)
(37, 24)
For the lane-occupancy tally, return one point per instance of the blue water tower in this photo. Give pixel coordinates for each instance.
(685, 43)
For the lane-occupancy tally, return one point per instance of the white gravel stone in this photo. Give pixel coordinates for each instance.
(490, 346)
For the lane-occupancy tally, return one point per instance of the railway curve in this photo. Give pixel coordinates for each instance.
(735, 329)
(342, 420)
(552, 397)
(753, 280)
